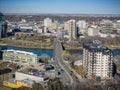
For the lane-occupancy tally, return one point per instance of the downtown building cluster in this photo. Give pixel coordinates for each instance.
(71, 29)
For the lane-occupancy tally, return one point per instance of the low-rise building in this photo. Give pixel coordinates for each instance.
(12, 83)
(5, 74)
(35, 76)
(20, 57)
(26, 78)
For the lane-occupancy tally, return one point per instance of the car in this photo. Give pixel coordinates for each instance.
(71, 72)
(59, 73)
(62, 70)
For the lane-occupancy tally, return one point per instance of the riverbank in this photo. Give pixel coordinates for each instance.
(112, 47)
(38, 52)
(27, 44)
(42, 44)
(26, 47)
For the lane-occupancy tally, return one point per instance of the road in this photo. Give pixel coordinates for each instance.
(67, 76)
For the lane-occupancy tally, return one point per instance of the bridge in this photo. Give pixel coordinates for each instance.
(67, 75)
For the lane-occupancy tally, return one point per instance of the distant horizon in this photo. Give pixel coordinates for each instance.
(60, 6)
(72, 14)
(65, 13)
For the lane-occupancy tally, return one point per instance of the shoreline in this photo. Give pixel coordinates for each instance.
(24, 47)
(51, 48)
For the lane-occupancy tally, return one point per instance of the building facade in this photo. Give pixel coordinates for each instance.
(93, 32)
(3, 29)
(72, 29)
(97, 60)
(106, 26)
(5, 74)
(23, 76)
(47, 24)
(20, 57)
(81, 26)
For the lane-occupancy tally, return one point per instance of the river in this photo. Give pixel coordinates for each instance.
(39, 52)
(50, 53)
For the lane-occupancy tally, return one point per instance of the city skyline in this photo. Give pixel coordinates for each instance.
(62, 6)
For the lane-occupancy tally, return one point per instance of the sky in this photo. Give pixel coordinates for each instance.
(61, 6)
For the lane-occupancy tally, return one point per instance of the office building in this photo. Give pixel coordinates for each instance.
(97, 60)
(20, 57)
(3, 29)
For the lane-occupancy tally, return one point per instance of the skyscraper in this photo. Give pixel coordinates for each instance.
(97, 60)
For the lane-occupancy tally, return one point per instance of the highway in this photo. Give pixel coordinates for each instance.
(67, 76)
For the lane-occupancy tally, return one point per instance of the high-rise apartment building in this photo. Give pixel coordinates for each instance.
(81, 26)
(97, 60)
(47, 24)
(72, 29)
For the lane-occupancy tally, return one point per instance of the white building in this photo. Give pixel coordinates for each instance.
(23, 76)
(116, 24)
(82, 25)
(106, 26)
(93, 32)
(21, 57)
(47, 24)
(54, 25)
(72, 29)
(97, 60)
(107, 35)
(25, 26)
(66, 26)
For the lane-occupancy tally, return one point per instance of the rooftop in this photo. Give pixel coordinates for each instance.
(28, 81)
(4, 71)
(18, 51)
(32, 71)
(96, 47)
